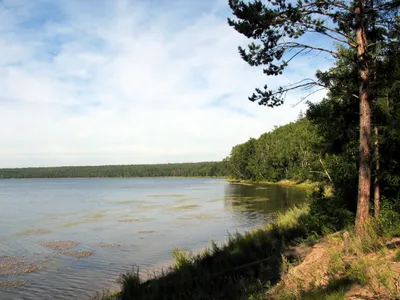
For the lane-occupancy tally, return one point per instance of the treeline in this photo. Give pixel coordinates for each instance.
(201, 169)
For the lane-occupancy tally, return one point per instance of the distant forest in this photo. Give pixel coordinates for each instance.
(201, 169)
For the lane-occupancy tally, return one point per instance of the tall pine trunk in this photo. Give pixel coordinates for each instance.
(374, 99)
(364, 181)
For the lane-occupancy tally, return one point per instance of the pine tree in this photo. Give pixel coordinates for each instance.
(278, 27)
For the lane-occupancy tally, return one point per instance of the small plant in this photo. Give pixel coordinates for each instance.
(130, 285)
(385, 278)
(291, 218)
(397, 255)
(285, 266)
(358, 271)
(106, 295)
(336, 264)
(182, 258)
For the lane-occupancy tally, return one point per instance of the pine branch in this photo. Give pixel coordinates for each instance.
(292, 45)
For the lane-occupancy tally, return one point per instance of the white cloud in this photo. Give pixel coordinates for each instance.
(126, 83)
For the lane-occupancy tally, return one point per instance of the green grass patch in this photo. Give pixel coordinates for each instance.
(397, 255)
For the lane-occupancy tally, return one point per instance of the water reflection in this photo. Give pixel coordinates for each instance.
(250, 203)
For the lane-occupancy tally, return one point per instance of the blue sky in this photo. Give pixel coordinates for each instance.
(120, 82)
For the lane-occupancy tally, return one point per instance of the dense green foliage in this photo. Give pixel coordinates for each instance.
(287, 152)
(201, 169)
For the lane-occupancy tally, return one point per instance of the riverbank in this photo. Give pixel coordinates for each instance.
(305, 185)
(247, 264)
(281, 261)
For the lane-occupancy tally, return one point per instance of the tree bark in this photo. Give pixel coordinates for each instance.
(377, 190)
(374, 99)
(364, 181)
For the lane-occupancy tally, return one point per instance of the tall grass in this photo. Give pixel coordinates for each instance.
(242, 268)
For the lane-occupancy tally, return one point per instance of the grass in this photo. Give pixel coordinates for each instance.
(397, 255)
(335, 290)
(331, 272)
(106, 295)
(242, 268)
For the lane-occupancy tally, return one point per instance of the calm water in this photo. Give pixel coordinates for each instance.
(121, 223)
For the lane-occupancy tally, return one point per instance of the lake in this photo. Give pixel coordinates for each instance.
(69, 238)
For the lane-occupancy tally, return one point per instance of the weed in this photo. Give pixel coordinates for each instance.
(397, 255)
(130, 285)
(105, 295)
(358, 271)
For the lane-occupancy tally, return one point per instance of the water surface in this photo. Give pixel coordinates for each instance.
(68, 238)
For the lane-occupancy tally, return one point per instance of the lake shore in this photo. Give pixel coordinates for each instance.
(281, 261)
(305, 185)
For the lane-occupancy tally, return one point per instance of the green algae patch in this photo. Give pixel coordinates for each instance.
(240, 208)
(232, 201)
(109, 245)
(72, 223)
(186, 207)
(131, 202)
(95, 216)
(166, 195)
(62, 245)
(11, 283)
(78, 254)
(146, 231)
(183, 200)
(135, 220)
(147, 207)
(98, 228)
(215, 200)
(33, 231)
(12, 265)
(200, 216)
(91, 217)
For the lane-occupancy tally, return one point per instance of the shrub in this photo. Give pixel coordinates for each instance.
(327, 214)
(389, 218)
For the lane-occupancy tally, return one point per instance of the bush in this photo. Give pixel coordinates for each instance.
(327, 214)
(389, 218)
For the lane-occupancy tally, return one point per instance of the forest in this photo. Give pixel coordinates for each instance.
(201, 169)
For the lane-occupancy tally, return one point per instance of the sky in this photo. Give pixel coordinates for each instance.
(99, 82)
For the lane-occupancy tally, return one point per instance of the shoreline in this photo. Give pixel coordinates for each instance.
(305, 185)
